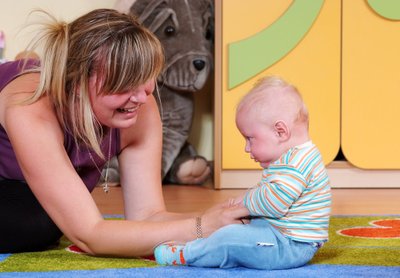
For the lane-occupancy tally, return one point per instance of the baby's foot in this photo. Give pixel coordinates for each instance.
(168, 254)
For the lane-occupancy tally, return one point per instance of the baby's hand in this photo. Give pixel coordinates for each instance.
(237, 201)
(222, 215)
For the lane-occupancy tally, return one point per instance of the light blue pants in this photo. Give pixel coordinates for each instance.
(256, 245)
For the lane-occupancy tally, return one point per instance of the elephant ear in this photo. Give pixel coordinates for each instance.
(152, 13)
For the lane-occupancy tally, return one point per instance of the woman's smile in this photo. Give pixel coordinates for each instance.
(128, 110)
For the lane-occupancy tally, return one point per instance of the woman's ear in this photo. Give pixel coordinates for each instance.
(282, 130)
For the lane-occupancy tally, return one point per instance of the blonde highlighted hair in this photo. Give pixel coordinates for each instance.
(113, 45)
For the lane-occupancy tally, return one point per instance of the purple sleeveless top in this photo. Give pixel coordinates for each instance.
(83, 162)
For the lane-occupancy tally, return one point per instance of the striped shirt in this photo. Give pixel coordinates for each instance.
(294, 195)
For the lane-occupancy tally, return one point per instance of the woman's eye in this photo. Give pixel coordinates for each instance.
(125, 92)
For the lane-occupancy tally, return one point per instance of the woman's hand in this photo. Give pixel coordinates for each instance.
(221, 215)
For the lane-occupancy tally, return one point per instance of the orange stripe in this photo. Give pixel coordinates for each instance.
(293, 188)
(306, 156)
(308, 210)
(181, 257)
(278, 197)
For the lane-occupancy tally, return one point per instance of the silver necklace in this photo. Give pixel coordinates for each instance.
(106, 188)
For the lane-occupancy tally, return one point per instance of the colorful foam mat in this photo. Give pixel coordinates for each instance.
(358, 245)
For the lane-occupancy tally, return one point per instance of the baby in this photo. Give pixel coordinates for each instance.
(289, 208)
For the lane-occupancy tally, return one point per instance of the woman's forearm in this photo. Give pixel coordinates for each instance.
(135, 238)
(170, 216)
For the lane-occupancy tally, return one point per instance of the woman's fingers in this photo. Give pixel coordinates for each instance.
(238, 212)
(244, 221)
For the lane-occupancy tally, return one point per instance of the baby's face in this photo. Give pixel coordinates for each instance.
(262, 141)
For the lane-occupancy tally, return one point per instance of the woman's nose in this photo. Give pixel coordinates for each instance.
(139, 96)
(141, 93)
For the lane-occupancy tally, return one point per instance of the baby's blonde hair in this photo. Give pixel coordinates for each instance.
(271, 91)
(113, 45)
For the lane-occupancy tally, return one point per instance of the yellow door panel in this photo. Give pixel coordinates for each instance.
(312, 63)
(371, 84)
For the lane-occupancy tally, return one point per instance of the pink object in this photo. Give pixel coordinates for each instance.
(2, 39)
(2, 43)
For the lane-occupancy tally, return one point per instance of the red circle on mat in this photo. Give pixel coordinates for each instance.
(75, 249)
(387, 228)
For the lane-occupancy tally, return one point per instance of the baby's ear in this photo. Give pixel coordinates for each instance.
(282, 130)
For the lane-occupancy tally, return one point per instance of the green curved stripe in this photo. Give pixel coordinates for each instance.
(389, 9)
(248, 57)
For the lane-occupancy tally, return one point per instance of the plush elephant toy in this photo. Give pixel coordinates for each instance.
(185, 29)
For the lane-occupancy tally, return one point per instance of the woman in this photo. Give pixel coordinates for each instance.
(90, 98)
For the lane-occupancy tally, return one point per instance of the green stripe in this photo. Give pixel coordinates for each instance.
(258, 52)
(389, 9)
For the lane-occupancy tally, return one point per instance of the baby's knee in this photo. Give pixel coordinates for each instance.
(229, 232)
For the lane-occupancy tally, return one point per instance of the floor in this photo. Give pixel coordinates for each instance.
(198, 198)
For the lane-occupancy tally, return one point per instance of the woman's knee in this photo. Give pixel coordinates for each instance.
(29, 236)
(25, 224)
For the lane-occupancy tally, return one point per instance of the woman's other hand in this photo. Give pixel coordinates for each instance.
(221, 215)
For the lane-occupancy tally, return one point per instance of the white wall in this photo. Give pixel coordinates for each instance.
(14, 15)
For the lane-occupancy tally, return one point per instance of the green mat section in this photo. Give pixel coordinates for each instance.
(60, 259)
(339, 250)
(358, 251)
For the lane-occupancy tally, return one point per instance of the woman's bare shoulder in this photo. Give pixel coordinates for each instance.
(25, 83)
(12, 97)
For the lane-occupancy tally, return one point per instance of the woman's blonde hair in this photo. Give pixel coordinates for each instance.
(111, 44)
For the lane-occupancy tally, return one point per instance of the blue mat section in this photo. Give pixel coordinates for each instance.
(4, 256)
(326, 271)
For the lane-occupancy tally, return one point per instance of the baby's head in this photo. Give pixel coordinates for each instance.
(272, 116)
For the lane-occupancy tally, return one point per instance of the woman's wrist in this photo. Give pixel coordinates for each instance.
(199, 227)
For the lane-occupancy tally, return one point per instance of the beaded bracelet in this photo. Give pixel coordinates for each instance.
(199, 230)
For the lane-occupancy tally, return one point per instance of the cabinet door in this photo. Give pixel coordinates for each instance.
(371, 84)
(307, 37)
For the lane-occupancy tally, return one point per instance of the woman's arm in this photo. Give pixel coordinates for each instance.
(140, 168)
(38, 143)
(140, 164)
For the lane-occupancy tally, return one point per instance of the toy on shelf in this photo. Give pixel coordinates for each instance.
(185, 29)
(2, 46)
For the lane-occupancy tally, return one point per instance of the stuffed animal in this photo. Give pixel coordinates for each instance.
(185, 29)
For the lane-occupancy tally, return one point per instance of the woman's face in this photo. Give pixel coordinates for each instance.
(119, 110)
